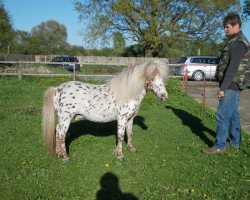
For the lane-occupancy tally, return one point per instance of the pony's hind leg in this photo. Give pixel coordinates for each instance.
(129, 133)
(61, 131)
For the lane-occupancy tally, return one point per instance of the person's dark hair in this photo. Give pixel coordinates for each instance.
(232, 19)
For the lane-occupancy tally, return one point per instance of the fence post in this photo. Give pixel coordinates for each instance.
(203, 94)
(19, 75)
(74, 71)
(185, 81)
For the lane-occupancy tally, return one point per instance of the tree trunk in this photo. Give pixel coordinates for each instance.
(153, 50)
(149, 52)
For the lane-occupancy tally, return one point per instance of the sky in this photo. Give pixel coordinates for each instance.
(27, 14)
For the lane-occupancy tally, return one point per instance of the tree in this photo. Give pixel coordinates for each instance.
(135, 50)
(50, 36)
(75, 50)
(6, 30)
(153, 23)
(20, 44)
(119, 43)
(246, 9)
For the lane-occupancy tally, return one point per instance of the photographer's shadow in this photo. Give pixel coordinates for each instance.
(110, 189)
(194, 123)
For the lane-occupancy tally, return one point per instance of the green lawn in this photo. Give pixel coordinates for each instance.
(169, 164)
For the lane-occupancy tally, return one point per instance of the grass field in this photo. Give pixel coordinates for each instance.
(169, 164)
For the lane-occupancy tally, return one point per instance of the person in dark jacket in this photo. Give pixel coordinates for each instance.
(227, 116)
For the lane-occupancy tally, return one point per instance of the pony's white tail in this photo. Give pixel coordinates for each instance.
(48, 121)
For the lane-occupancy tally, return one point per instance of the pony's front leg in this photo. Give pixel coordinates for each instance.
(120, 137)
(61, 131)
(129, 132)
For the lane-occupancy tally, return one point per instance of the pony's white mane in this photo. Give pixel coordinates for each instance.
(130, 82)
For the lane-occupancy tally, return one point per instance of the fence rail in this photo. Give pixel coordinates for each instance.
(51, 63)
(85, 76)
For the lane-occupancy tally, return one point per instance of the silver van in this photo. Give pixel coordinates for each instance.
(197, 67)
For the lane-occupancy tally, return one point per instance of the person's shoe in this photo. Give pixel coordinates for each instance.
(214, 150)
(229, 146)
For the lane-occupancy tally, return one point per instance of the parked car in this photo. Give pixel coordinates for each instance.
(68, 62)
(197, 67)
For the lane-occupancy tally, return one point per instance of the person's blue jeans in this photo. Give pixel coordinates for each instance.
(228, 120)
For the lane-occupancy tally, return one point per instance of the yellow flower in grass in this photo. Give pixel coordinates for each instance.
(192, 190)
(204, 195)
(106, 165)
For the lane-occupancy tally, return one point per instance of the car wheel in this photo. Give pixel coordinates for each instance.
(198, 75)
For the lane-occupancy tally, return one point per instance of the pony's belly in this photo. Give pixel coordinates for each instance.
(97, 116)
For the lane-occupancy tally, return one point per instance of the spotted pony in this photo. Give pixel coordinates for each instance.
(119, 99)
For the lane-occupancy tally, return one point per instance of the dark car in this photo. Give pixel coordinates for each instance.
(68, 62)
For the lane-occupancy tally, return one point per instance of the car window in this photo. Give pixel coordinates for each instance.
(72, 59)
(199, 60)
(217, 60)
(195, 60)
(182, 60)
(203, 60)
(211, 61)
(64, 59)
(57, 59)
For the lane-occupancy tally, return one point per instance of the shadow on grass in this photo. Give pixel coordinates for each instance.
(110, 189)
(85, 127)
(194, 123)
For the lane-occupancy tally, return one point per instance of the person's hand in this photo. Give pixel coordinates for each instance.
(220, 94)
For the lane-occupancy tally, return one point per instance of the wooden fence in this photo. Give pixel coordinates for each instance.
(102, 60)
(94, 60)
(16, 57)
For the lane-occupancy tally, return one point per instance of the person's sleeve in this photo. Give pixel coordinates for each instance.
(236, 52)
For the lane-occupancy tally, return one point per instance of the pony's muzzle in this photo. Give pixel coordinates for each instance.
(163, 97)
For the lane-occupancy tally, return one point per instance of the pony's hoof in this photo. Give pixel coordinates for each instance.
(132, 149)
(66, 160)
(119, 156)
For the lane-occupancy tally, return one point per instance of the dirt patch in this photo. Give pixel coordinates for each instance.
(28, 111)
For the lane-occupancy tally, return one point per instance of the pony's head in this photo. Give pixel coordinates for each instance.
(158, 87)
(147, 75)
(155, 76)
